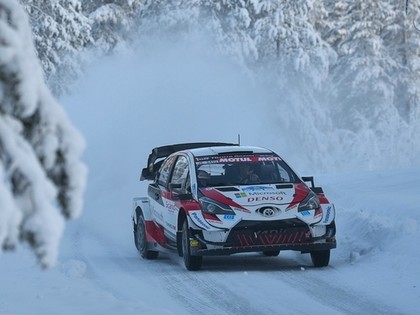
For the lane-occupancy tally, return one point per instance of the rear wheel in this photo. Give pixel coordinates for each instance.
(271, 253)
(320, 258)
(141, 241)
(191, 262)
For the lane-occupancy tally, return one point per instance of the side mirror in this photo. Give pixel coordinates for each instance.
(309, 179)
(317, 190)
(145, 174)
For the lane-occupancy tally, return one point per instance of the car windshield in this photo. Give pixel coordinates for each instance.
(239, 169)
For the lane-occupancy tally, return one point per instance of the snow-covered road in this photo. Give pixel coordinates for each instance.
(375, 271)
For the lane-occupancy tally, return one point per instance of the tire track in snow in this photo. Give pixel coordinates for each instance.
(196, 293)
(343, 299)
(205, 292)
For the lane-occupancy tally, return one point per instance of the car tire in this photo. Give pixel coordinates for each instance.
(320, 258)
(141, 241)
(271, 253)
(191, 262)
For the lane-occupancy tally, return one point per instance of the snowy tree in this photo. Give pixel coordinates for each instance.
(224, 24)
(60, 31)
(408, 96)
(294, 62)
(365, 79)
(231, 23)
(41, 175)
(410, 50)
(112, 22)
(284, 32)
(169, 17)
(364, 67)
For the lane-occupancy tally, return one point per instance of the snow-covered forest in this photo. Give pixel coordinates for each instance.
(343, 75)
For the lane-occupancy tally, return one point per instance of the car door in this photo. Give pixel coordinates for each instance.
(179, 184)
(159, 192)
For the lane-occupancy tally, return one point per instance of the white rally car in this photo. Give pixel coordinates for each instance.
(221, 198)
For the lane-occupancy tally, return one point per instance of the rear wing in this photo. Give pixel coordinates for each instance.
(153, 164)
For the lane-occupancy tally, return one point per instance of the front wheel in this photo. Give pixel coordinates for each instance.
(191, 262)
(320, 258)
(141, 241)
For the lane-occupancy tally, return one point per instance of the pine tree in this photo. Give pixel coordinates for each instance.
(365, 77)
(284, 32)
(41, 176)
(60, 31)
(408, 99)
(113, 24)
(294, 62)
(411, 60)
(225, 24)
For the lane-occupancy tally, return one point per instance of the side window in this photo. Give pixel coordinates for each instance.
(180, 173)
(285, 176)
(165, 171)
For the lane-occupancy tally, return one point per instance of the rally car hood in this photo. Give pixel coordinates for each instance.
(265, 202)
(249, 197)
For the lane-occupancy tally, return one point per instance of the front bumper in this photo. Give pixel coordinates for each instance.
(255, 236)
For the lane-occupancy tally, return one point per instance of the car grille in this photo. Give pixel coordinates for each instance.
(250, 233)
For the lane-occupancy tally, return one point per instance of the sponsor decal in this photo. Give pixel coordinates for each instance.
(305, 212)
(240, 195)
(229, 217)
(257, 188)
(170, 205)
(265, 198)
(235, 158)
(199, 220)
(206, 160)
(327, 215)
(269, 158)
(261, 193)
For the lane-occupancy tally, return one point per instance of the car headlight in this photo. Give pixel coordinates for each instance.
(211, 206)
(311, 202)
